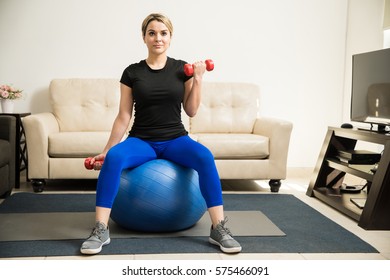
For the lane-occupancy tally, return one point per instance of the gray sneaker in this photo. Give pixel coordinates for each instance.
(99, 237)
(221, 236)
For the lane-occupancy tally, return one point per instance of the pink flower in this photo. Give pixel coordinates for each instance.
(9, 92)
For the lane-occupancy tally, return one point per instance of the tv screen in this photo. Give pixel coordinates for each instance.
(370, 98)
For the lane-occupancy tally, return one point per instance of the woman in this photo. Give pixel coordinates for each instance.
(157, 88)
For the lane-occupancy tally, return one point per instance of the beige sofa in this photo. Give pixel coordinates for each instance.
(245, 144)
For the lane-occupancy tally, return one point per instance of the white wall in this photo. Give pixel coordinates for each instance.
(293, 49)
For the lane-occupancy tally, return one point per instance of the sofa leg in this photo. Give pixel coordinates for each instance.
(275, 185)
(38, 185)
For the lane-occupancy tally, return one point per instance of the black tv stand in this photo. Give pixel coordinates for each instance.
(329, 174)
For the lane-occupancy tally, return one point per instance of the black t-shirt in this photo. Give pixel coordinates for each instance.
(158, 95)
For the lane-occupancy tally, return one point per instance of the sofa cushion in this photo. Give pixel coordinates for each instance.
(5, 151)
(235, 146)
(77, 144)
(85, 104)
(226, 108)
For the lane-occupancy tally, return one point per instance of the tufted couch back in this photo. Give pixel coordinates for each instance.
(85, 104)
(227, 108)
(92, 105)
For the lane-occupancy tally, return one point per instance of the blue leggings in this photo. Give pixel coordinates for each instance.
(133, 152)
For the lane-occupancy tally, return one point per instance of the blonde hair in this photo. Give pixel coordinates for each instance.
(159, 17)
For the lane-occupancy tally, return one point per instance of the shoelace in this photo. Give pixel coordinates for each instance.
(222, 229)
(98, 231)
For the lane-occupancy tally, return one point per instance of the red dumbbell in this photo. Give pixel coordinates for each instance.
(88, 165)
(189, 68)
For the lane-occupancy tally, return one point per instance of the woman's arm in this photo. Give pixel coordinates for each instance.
(193, 87)
(123, 118)
(119, 127)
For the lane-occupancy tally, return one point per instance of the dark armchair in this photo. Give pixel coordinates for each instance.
(7, 154)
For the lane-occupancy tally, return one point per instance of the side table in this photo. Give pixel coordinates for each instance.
(21, 147)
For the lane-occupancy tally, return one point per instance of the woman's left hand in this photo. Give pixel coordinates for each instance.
(199, 68)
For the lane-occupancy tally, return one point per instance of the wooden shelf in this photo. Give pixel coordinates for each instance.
(340, 201)
(329, 174)
(362, 171)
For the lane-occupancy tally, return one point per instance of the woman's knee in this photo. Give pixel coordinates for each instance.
(114, 157)
(203, 160)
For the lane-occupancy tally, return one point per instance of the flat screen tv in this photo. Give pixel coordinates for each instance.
(370, 96)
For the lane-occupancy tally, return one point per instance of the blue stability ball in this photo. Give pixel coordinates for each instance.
(158, 196)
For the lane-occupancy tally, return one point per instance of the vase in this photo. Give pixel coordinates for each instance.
(7, 105)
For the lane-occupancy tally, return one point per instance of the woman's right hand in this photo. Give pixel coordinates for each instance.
(97, 161)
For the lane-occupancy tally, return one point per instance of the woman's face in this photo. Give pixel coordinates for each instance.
(157, 37)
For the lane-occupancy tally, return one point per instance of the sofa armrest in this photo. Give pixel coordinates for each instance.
(37, 128)
(279, 132)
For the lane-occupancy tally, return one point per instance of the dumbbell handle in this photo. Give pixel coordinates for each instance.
(189, 68)
(88, 165)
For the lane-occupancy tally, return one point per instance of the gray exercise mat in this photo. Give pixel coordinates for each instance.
(62, 226)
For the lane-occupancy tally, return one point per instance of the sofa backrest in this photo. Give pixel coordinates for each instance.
(226, 108)
(92, 105)
(85, 104)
